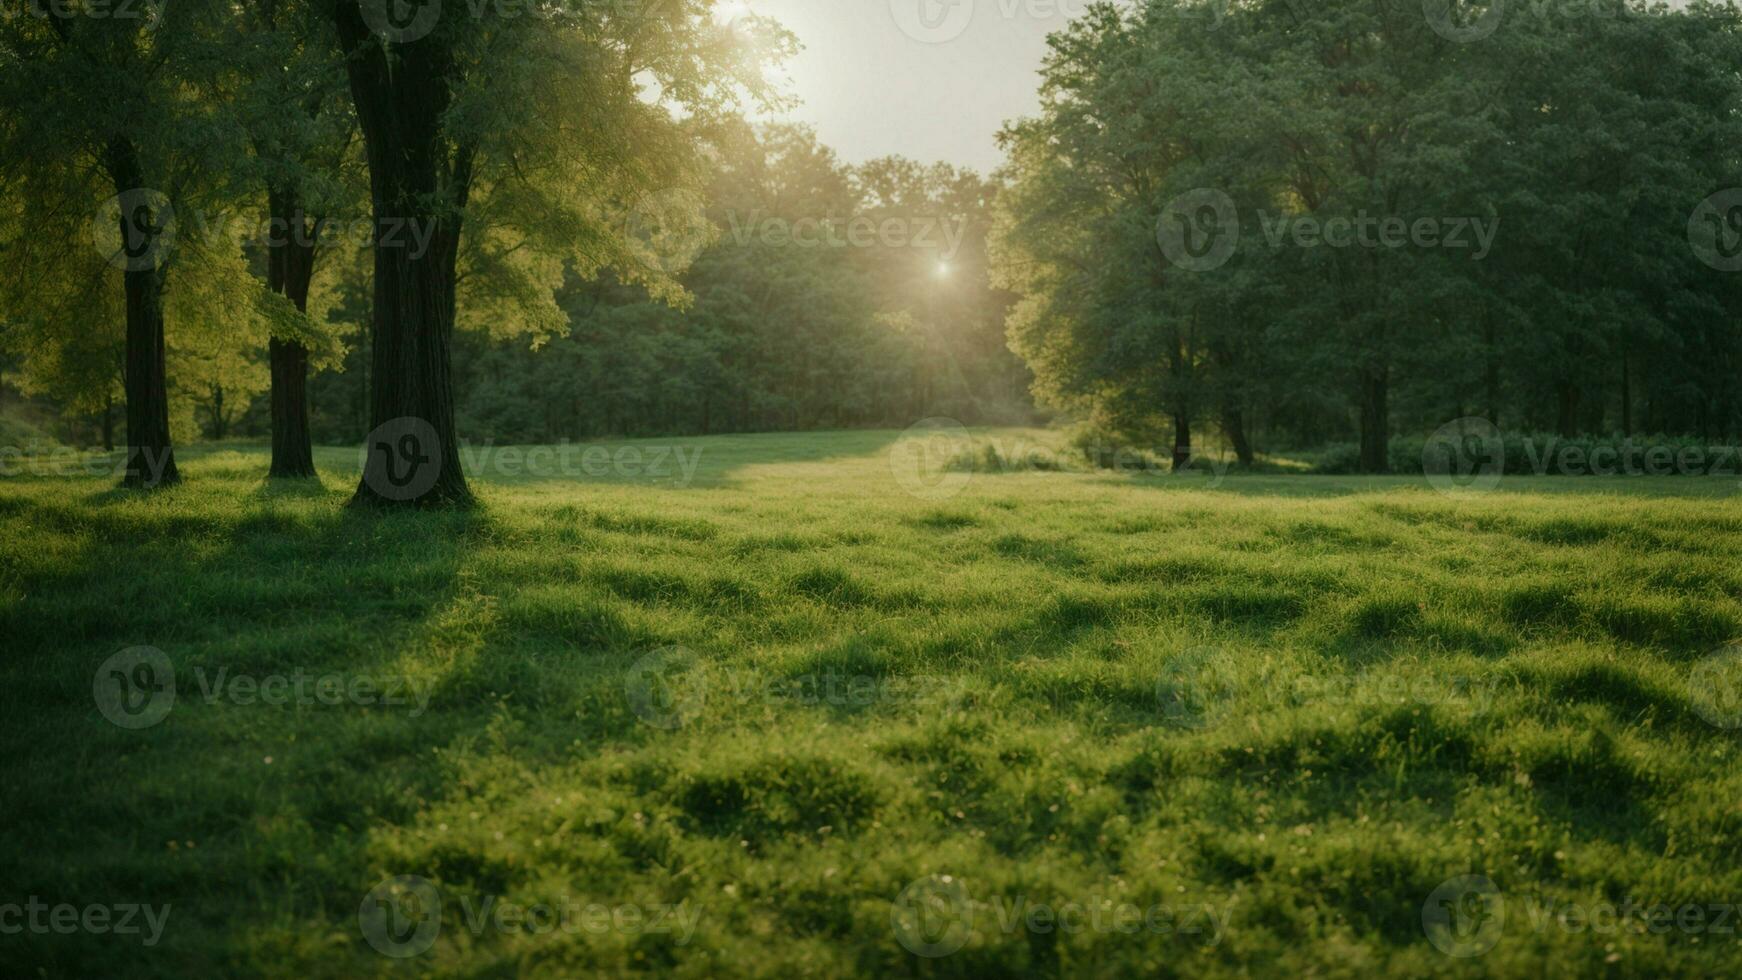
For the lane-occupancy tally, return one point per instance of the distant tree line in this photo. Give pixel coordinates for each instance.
(819, 296)
(1306, 223)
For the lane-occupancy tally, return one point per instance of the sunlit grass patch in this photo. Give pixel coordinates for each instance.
(771, 702)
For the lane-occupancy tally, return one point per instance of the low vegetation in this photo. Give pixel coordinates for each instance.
(768, 714)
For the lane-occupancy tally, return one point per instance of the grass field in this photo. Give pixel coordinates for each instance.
(784, 717)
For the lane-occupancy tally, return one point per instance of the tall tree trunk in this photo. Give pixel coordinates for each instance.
(219, 427)
(1234, 424)
(412, 451)
(1182, 441)
(150, 457)
(109, 423)
(1375, 422)
(289, 269)
(1491, 371)
(1566, 409)
(1626, 397)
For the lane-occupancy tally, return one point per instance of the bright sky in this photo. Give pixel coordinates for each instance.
(927, 79)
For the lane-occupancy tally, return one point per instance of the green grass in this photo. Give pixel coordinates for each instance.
(1301, 702)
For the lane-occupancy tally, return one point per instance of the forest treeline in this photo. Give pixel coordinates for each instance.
(1303, 223)
(1263, 225)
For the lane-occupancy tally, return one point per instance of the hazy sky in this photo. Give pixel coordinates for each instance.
(928, 79)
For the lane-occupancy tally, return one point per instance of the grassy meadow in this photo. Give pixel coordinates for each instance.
(793, 713)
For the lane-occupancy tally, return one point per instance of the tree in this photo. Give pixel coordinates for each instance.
(541, 118)
(132, 103)
(290, 96)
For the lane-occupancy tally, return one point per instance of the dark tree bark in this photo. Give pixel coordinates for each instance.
(1234, 424)
(1491, 370)
(1375, 422)
(289, 269)
(150, 457)
(1566, 409)
(417, 184)
(220, 420)
(1182, 442)
(109, 424)
(1626, 397)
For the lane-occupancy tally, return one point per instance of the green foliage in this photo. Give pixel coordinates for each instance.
(1591, 309)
